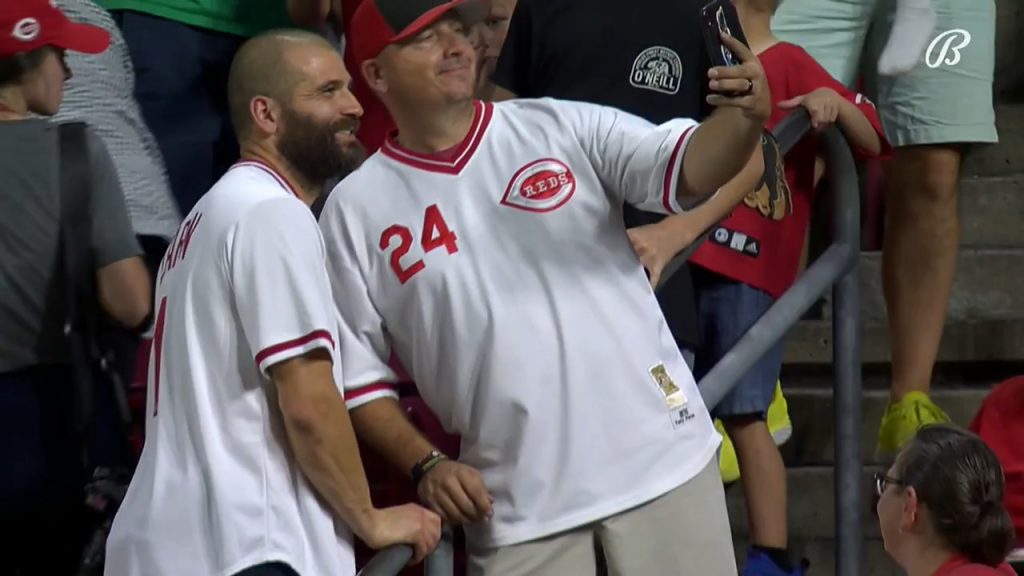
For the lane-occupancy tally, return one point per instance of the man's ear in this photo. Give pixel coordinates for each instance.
(265, 114)
(373, 74)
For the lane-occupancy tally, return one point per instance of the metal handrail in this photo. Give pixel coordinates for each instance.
(836, 267)
(387, 562)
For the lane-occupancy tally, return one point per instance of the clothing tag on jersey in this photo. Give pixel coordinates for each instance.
(680, 416)
(674, 397)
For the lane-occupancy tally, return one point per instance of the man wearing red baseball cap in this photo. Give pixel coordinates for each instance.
(483, 245)
(34, 34)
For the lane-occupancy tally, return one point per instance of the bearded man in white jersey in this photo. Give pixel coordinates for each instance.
(484, 245)
(250, 466)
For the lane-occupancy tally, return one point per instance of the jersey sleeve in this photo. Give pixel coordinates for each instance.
(365, 347)
(637, 161)
(812, 76)
(276, 267)
(514, 69)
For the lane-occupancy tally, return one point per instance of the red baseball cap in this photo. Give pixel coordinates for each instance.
(26, 25)
(378, 23)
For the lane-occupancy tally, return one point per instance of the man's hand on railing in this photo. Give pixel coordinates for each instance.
(456, 492)
(407, 524)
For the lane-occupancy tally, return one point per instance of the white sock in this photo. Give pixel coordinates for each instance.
(912, 27)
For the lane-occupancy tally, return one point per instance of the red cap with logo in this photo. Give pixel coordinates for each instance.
(26, 25)
(378, 23)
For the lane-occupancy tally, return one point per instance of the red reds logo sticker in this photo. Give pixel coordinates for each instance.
(540, 186)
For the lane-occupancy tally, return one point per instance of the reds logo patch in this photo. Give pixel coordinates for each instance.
(540, 186)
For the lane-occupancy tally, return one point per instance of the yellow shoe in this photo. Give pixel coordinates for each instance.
(728, 464)
(779, 424)
(902, 420)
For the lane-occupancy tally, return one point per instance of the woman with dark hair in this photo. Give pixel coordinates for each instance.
(941, 507)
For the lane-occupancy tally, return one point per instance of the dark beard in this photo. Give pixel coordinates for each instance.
(313, 152)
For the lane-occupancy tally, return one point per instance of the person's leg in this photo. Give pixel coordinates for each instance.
(924, 115)
(570, 552)
(735, 308)
(41, 493)
(706, 292)
(831, 31)
(21, 482)
(683, 532)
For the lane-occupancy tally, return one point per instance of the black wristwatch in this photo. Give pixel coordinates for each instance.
(426, 465)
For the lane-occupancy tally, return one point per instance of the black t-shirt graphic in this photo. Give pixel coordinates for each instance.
(646, 57)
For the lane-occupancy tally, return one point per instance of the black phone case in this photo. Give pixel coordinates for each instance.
(716, 16)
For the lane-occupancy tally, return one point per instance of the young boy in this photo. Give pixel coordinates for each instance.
(753, 257)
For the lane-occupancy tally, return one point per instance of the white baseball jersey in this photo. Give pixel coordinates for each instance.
(243, 287)
(501, 275)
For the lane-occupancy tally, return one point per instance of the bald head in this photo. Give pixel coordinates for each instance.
(269, 65)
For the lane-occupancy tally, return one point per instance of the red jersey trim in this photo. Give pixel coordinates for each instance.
(254, 163)
(367, 390)
(463, 152)
(292, 344)
(671, 171)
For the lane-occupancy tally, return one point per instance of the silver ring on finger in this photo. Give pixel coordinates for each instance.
(750, 86)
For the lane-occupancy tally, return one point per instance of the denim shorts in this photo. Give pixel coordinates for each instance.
(726, 309)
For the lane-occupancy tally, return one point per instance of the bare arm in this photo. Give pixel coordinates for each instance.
(321, 436)
(722, 144)
(689, 226)
(453, 490)
(857, 129)
(657, 244)
(383, 426)
(125, 291)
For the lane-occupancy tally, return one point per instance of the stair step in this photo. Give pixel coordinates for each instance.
(1004, 158)
(987, 285)
(991, 210)
(810, 341)
(822, 553)
(810, 504)
(811, 409)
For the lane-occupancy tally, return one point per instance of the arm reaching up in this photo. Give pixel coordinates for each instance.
(723, 143)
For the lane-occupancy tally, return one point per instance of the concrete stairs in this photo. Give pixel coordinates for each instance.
(983, 341)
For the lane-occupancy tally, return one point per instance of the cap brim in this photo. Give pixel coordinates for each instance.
(82, 38)
(469, 11)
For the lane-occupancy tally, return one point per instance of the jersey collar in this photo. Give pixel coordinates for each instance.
(261, 165)
(451, 162)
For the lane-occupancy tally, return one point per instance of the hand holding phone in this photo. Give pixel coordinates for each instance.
(737, 79)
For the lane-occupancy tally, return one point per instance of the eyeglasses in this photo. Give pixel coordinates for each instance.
(882, 482)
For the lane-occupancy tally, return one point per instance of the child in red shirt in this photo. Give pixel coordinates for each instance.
(753, 257)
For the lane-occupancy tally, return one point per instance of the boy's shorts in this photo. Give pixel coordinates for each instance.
(726, 309)
(946, 98)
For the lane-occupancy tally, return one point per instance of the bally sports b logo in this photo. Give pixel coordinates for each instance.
(540, 186)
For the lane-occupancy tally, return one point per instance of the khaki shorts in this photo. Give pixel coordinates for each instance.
(685, 532)
(946, 98)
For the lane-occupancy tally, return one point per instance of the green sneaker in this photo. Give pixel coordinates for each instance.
(779, 424)
(902, 420)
